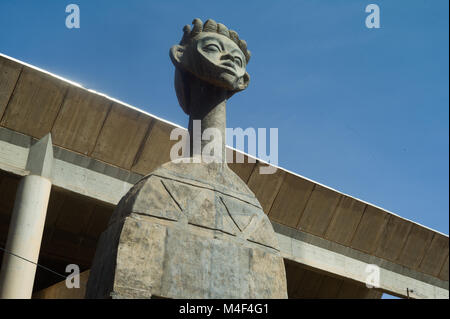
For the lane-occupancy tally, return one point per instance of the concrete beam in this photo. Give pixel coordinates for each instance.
(40, 158)
(9, 74)
(70, 171)
(80, 120)
(345, 262)
(34, 104)
(121, 146)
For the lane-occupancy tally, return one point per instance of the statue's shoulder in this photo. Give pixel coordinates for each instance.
(207, 195)
(214, 176)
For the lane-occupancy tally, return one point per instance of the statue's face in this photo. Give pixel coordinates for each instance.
(216, 59)
(222, 56)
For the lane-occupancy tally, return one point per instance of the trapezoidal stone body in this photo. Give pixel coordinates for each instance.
(188, 231)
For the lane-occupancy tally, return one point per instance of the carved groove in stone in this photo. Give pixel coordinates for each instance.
(229, 214)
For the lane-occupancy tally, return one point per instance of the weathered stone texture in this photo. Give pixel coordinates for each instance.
(176, 236)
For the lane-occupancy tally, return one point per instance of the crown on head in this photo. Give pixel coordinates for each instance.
(212, 26)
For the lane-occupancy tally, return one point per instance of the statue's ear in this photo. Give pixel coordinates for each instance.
(244, 81)
(176, 53)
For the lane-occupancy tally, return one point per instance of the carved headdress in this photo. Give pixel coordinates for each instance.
(212, 26)
(189, 66)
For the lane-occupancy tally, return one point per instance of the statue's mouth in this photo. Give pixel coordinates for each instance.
(229, 65)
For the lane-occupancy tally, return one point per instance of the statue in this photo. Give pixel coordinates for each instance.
(210, 66)
(193, 230)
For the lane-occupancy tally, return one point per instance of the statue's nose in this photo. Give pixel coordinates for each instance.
(228, 60)
(227, 56)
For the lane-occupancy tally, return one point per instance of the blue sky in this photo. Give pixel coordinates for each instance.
(364, 111)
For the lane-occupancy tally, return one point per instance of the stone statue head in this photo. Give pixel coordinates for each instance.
(212, 54)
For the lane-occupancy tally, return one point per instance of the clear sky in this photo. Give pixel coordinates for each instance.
(364, 111)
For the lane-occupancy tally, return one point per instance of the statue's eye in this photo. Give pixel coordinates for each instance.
(238, 61)
(212, 48)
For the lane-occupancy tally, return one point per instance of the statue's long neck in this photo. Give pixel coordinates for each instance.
(208, 105)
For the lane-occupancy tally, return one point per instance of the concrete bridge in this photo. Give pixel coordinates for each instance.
(99, 147)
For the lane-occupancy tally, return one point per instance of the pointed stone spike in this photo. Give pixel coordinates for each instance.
(187, 28)
(243, 45)
(210, 26)
(234, 36)
(222, 29)
(198, 26)
(40, 157)
(186, 34)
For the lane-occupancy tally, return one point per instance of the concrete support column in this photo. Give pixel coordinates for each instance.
(27, 224)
